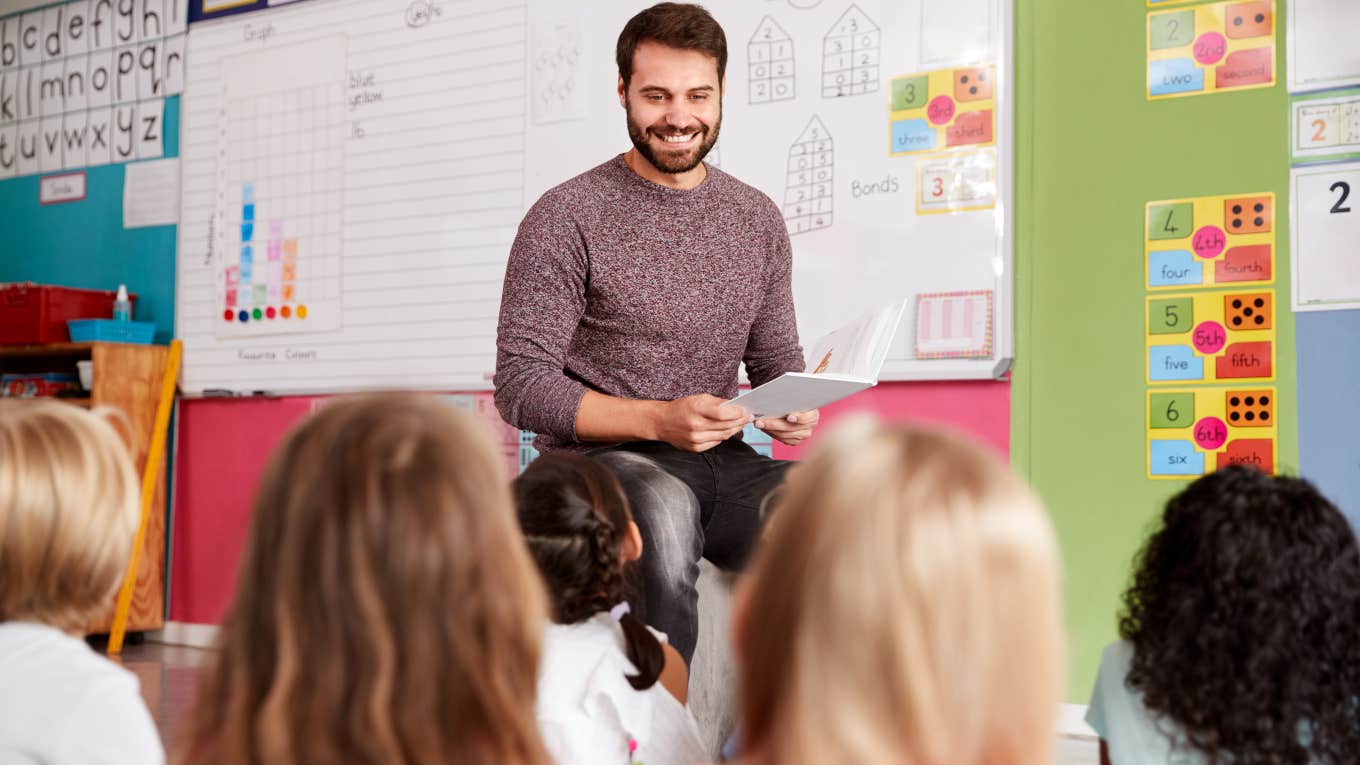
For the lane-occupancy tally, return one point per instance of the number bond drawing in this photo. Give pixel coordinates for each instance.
(280, 207)
(771, 75)
(808, 191)
(1325, 127)
(850, 53)
(1193, 432)
(1209, 337)
(943, 109)
(956, 181)
(1210, 241)
(1210, 49)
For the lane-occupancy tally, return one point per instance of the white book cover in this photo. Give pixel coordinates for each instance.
(841, 363)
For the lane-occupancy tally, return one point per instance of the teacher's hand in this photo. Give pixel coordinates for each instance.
(700, 422)
(791, 429)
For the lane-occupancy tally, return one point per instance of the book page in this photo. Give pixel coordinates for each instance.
(857, 349)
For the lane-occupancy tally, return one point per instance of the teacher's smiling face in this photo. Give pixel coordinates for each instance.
(674, 105)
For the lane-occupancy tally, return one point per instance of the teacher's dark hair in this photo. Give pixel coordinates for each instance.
(1244, 615)
(575, 518)
(676, 25)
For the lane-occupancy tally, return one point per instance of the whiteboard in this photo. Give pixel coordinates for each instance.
(877, 249)
(370, 160)
(369, 154)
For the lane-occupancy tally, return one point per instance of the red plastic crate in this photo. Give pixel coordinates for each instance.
(37, 313)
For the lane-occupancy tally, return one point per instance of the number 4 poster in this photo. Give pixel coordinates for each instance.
(1225, 240)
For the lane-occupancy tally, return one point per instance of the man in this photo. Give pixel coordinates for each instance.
(633, 292)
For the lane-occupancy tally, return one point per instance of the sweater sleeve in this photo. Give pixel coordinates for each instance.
(542, 301)
(772, 347)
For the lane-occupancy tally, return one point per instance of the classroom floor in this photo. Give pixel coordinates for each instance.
(170, 676)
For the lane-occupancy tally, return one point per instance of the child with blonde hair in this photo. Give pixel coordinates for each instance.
(387, 611)
(68, 516)
(902, 607)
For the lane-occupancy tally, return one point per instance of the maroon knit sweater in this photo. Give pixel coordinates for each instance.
(636, 290)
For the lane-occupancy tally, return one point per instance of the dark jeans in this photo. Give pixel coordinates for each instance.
(689, 506)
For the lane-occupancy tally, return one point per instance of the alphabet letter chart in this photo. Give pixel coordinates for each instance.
(83, 83)
(1209, 317)
(1210, 49)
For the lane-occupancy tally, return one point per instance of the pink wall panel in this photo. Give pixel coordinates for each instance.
(224, 445)
(982, 408)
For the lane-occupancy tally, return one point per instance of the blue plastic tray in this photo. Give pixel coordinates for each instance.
(111, 331)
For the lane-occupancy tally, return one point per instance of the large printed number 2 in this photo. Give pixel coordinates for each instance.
(1345, 189)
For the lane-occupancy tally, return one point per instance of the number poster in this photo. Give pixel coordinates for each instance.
(1210, 49)
(1192, 432)
(1210, 241)
(1209, 263)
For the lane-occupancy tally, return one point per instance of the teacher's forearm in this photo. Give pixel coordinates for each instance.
(602, 417)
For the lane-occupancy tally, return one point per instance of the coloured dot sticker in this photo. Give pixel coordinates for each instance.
(268, 312)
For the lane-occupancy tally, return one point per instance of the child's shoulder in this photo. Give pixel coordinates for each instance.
(46, 652)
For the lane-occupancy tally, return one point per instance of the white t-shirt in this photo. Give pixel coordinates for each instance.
(1134, 735)
(60, 702)
(587, 711)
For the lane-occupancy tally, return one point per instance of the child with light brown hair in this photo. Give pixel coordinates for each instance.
(68, 516)
(387, 609)
(903, 607)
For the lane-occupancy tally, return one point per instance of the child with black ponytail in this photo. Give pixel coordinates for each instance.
(610, 689)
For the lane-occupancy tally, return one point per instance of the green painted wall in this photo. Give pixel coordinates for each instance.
(1091, 152)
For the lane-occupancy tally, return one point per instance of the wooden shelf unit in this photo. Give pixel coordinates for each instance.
(127, 378)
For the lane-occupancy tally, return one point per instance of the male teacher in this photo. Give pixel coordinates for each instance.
(632, 294)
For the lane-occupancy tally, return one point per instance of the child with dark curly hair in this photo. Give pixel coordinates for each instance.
(1240, 631)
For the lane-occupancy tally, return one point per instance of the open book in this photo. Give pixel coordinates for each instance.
(842, 363)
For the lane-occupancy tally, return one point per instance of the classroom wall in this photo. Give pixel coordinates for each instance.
(224, 445)
(84, 244)
(1329, 417)
(1092, 152)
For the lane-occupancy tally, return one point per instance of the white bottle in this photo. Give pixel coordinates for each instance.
(122, 307)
